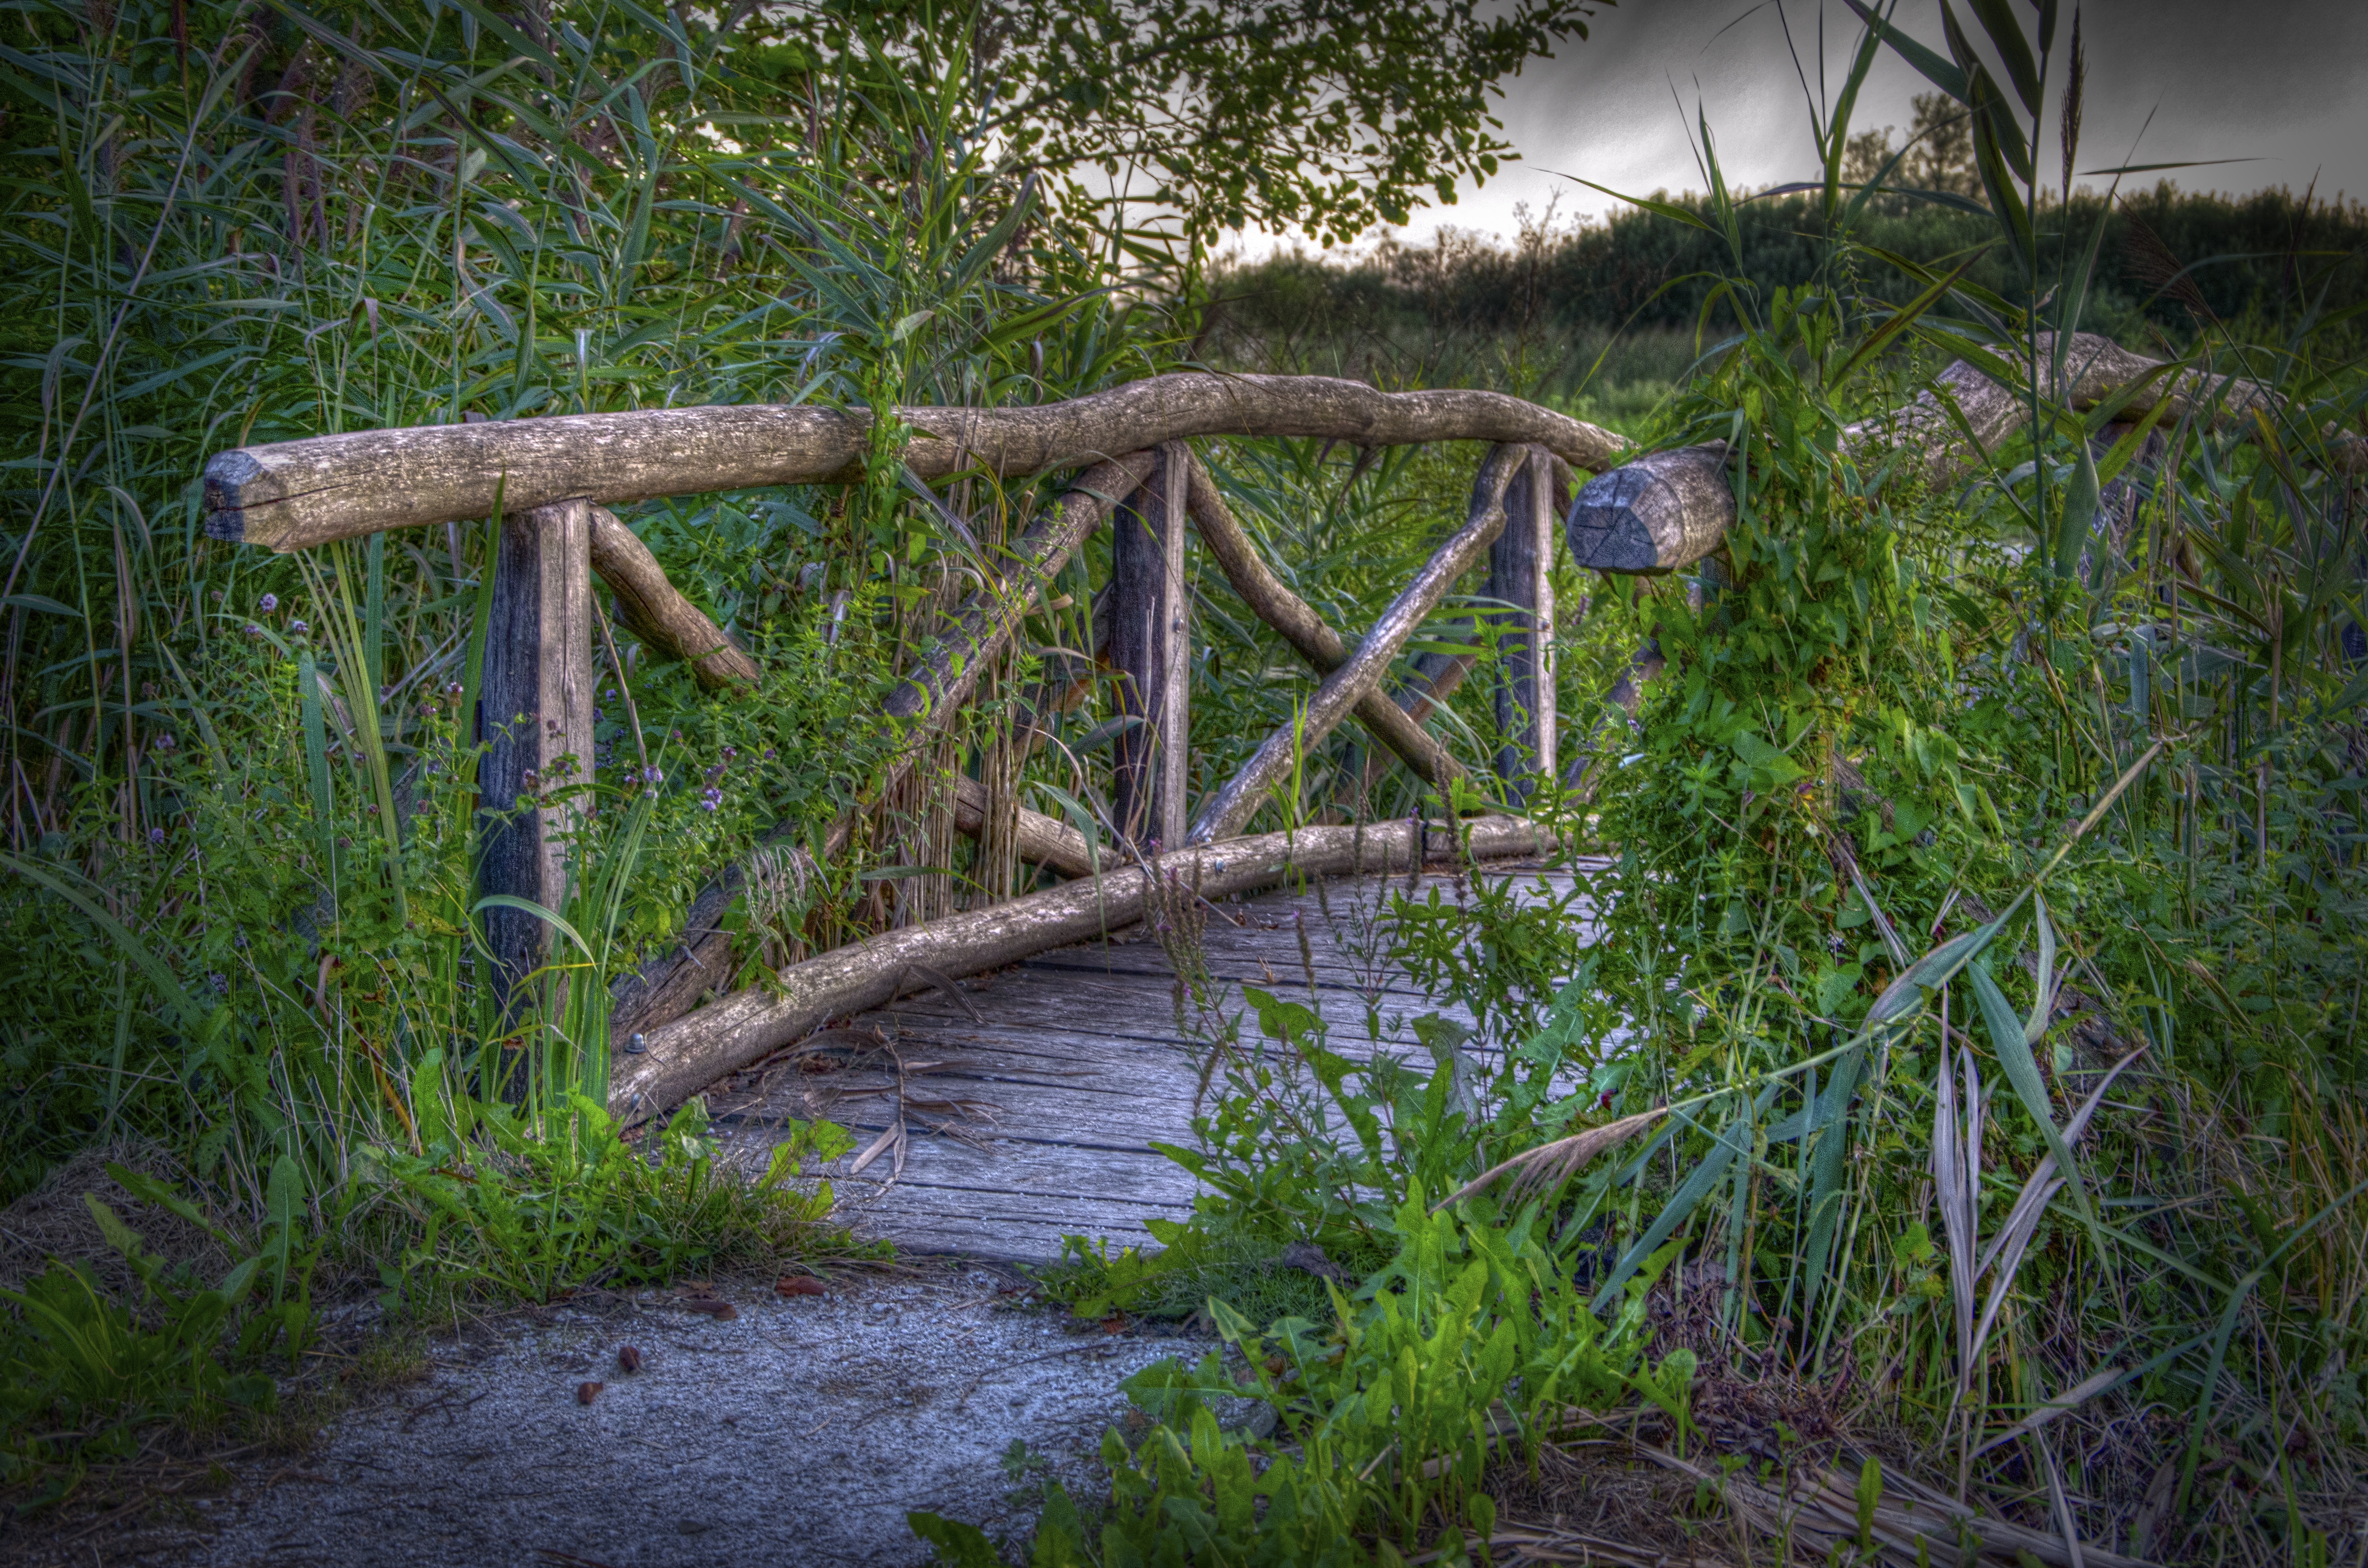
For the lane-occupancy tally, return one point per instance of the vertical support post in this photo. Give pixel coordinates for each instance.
(1150, 648)
(1521, 573)
(535, 713)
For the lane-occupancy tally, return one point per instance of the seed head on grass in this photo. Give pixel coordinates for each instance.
(1547, 1166)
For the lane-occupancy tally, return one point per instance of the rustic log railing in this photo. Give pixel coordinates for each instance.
(556, 479)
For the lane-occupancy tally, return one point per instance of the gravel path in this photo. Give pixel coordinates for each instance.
(800, 1430)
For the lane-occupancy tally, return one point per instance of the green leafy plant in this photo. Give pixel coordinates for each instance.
(1466, 1349)
(92, 1370)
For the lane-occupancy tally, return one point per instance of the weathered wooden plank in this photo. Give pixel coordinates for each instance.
(292, 494)
(1520, 574)
(534, 714)
(1150, 647)
(1074, 1066)
(999, 1224)
(1149, 1026)
(944, 1177)
(1093, 1019)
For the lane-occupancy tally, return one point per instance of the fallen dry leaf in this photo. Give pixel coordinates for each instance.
(587, 1393)
(629, 1359)
(721, 1311)
(798, 1285)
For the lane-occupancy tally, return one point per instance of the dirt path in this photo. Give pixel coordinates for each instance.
(800, 1430)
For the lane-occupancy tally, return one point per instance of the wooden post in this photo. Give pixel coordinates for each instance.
(1150, 647)
(1521, 573)
(535, 712)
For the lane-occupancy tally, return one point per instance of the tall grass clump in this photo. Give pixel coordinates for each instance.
(1974, 1002)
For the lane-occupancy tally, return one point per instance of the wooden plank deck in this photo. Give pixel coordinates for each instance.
(1072, 1067)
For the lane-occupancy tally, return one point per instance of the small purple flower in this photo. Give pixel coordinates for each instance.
(651, 775)
(712, 799)
(219, 981)
(451, 688)
(253, 629)
(731, 752)
(768, 753)
(166, 743)
(298, 628)
(155, 835)
(267, 602)
(609, 695)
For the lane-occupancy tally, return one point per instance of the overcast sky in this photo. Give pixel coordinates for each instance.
(2284, 82)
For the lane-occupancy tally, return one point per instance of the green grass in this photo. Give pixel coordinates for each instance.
(243, 844)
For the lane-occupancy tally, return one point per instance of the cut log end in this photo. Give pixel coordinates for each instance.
(235, 483)
(1608, 528)
(1664, 511)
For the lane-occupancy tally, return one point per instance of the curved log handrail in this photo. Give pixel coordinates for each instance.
(742, 1028)
(292, 494)
(1670, 508)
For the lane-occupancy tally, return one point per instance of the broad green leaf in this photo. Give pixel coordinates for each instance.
(2080, 498)
(2023, 1071)
(512, 901)
(2044, 1008)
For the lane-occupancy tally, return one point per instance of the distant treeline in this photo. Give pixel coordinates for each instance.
(2168, 263)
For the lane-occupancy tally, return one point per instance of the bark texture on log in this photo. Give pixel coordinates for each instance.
(1224, 812)
(1040, 840)
(1300, 625)
(692, 1052)
(1150, 649)
(1521, 573)
(534, 712)
(655, 611)
(670, 984)
(291, 495)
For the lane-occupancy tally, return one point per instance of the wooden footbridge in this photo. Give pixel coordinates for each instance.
(1021, 1107)
(1049, 1080)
